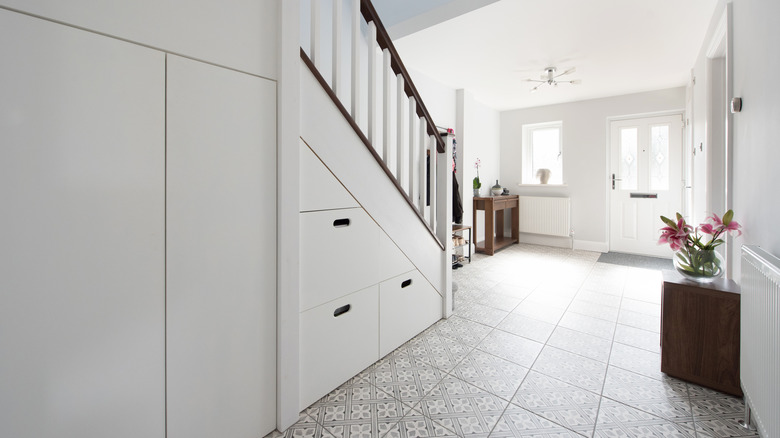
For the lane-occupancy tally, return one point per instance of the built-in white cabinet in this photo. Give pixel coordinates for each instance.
(138, 233)
(221, 252)
(339, 254)
(338, 340)
(82, 276)
(360, 296)
(408, 304)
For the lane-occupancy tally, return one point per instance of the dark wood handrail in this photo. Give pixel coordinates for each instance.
(383, 38)
(367, 143)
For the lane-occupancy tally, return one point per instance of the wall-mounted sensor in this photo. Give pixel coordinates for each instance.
(736, 105)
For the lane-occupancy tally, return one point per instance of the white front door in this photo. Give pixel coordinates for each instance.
(646, 181)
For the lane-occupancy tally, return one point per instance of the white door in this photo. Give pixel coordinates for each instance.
(646, 181)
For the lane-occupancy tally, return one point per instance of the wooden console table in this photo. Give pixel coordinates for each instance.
(494, 223)
(700, 332)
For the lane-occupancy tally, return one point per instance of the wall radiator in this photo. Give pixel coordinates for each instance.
(760, 339)
(544, 215)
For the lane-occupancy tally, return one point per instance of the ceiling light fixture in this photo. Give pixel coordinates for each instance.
(550, 78)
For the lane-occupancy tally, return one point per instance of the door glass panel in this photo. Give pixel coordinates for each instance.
(659, 157)
(628, 158)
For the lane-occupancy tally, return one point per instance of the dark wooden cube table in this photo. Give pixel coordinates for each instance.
(700, 332)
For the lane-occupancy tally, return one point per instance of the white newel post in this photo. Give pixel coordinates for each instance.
(444, 216)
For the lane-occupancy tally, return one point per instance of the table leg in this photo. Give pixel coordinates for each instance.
(490, 233)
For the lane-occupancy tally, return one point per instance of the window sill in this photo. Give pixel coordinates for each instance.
(544, 185)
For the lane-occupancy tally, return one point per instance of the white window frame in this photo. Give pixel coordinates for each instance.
(528, 176)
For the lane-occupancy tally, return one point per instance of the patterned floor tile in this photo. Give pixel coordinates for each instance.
(302, 430)
(399, 376)
(644, 339)
(565, 404)
(559, 297)
(640, 320)
(433, 348)
(463, 408)
(462, 330)
(511, 290)
(618, 420)
(599, 298)
(415, 425)
(722, 428)
(643, 307)
(580, 343)
(571, 368)
(511, 347)
(518, 422)
(498, 301)
(526, 327)
(491, 373)
(594, 310)
(637, 360)
(588, 324)
(482, 314)
(716, 413)
(666, 398)
(539, 311)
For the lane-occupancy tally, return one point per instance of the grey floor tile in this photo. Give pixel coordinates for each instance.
(666, 398)
(491, 373)
(542, 312)
(640, 320)
(526, 327)
(643, 307)
(571, 368)
(594, 310)
(511, 347)
(462, 330)
(433, 348)
(644, 339)
(518, 422)
(637, 360)
(482, 314)
(565, 404)
(588, 324)
(580, 343)
(618, 420)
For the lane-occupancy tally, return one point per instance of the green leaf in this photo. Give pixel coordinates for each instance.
(669, 222)
(728, 217)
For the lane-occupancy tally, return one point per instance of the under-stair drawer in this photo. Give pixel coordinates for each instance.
(408, 305)
(339, 254)
(338, 340)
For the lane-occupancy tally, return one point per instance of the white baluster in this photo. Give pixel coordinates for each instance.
(387, 73)
(423, 166)
(400, 124)
(372, 92)
(336, 85)
(356, 60)
(412, 147)
(444, 193)
(434, 172)
(314, 50)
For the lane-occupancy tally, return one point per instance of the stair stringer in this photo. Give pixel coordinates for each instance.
(325, 130)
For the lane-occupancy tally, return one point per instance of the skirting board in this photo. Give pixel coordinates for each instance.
(587, 245)
(540, 239)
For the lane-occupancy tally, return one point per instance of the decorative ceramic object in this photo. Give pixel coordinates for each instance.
(701, 265)
(543, 175)
(496, 189)
(476, 193)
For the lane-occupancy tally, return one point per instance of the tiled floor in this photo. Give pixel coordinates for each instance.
(545, 342)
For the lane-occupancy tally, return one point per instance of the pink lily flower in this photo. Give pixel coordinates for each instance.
(720, 226)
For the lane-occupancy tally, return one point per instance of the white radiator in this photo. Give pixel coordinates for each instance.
(544, 215)
(760, 338)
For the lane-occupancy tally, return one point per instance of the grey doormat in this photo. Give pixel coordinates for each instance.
(636, 261)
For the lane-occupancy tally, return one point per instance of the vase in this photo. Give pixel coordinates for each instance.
(700, 265)
(496, 189)
(476, 193)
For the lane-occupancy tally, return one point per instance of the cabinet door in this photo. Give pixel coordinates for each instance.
(221, 252)
(82, 190)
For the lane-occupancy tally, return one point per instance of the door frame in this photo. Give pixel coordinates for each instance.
(608, 158)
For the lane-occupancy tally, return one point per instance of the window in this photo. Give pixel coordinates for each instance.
(542, 149)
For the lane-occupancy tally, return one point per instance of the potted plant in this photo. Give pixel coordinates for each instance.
(476, 183)
(695, 257)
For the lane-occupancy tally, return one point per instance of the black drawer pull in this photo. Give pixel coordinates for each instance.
(338, 223)
(406, 283)
(342, 310)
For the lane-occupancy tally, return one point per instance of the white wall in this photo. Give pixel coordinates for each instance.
(585, 146)
(756, 151)
(241, 34)
(478, 128)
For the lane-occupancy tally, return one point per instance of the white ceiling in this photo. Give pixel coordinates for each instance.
(618, 46)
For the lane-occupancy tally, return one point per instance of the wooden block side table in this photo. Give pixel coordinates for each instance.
(700, 332)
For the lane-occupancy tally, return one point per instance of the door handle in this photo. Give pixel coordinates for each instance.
(613, 181)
